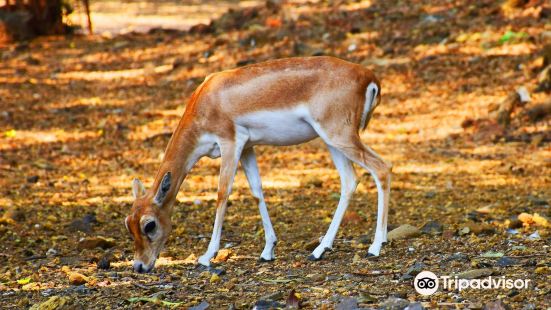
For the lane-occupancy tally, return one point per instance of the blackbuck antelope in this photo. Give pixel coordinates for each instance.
(280, 102)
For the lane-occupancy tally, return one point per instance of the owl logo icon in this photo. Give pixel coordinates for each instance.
(426, 283)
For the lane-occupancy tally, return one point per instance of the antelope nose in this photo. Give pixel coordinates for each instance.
(138, 267)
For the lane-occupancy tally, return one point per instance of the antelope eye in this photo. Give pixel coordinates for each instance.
(149, 227)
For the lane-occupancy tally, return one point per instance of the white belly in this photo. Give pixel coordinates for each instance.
(279, 127)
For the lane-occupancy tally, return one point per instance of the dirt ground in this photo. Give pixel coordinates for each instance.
(80, 117)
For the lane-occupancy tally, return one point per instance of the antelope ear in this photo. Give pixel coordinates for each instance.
(138, 190)
(164, 187)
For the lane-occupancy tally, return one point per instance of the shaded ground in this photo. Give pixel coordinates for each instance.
(81, 117)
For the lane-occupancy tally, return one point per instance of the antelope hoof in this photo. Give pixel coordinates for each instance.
(313, 256)
(268, 254)
(266, 260)
(204, 260)
(374, 250)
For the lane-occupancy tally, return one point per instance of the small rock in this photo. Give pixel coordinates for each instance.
(506, 262)
(457, 257)
(347, 303)
(475, 273)
(496, 305)
(432, 228)
(96, 242)
(316, 277)
(51, 252)
(403, 232)
(414, 270)
(104, 263)
(394, 303)
(54, 302)
(76, 278)
(356, 259)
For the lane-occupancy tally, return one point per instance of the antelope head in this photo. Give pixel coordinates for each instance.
(149, 223)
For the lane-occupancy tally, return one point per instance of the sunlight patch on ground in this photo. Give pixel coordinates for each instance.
(86, 101)
(115, 74)
(21, 138)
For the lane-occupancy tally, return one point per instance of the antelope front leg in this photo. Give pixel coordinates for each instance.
(230, 152)
(248, 162)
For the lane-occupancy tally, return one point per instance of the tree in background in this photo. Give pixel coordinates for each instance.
(25, 19)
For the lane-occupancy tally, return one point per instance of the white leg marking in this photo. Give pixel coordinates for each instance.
(380, 230)
(348, 186)
(248, 162)
(228, 168)
(382, 207)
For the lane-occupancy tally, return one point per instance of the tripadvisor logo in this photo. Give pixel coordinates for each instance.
(426, 283)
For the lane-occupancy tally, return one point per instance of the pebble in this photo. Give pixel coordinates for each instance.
(475, 273)
(432, 228)
(403, 232)
(96, 242)
(506, 262)
(51, 252)
(414, 270)
(316, 277)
